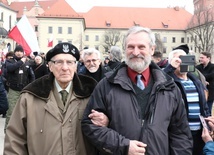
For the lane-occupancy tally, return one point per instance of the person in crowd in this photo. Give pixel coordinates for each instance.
(157, 57)
(8, 56)
(47, 117)
(80, 65)
(207, 69)
(146, 115)
(106, 61)
(193, 94)
(92, 61)
(19, 75)
(3, 99)
(115, 57)
(39, 68)
(208, 136)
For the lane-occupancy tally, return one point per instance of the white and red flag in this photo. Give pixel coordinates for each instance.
(50, 42)
(24, 35)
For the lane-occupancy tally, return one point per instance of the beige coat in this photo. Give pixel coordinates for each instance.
(37, 127)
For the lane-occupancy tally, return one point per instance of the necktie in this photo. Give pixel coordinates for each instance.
(64, 94)
(140, 83)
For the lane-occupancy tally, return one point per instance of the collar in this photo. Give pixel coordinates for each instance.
(59, 88)
(145, 75)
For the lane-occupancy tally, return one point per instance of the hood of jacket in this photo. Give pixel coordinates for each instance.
(83, 86)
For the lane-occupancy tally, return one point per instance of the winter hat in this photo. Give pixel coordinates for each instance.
(184, 47)
(19, 48)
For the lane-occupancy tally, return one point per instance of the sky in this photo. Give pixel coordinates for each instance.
(85, 5)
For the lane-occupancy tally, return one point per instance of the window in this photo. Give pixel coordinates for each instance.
(97, 48)
(70, 41)
(69, 30)
(182, 40)
(59, 30)
(36, 28)
(173, 39)
(187, 39)
(59, 41)
(2, 16)
(86, 38)
(50, 29)
(96, 38)
(164, 49)
(10, 21)
(164, 40)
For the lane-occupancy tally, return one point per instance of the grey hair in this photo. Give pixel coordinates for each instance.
(116, 53)
(172, 53)
(90, 51)
(138, 29)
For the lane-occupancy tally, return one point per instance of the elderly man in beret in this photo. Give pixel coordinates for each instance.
(47, 117)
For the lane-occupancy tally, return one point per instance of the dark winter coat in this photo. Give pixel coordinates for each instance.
(164, 128)
(208, 72)
(3, 98)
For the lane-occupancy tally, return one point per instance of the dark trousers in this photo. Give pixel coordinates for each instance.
(198, 143)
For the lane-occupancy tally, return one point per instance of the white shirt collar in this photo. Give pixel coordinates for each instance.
(59, 88)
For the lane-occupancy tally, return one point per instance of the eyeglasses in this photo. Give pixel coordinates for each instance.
(92, 60)
(61, 62)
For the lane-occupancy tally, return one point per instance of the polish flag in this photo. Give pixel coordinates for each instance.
(50, 42)
(24, 35)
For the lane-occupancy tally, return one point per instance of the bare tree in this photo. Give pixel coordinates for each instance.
(110, 38)
(201, 29)
(159, 43)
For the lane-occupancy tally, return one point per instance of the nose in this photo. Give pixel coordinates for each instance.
(136, 51)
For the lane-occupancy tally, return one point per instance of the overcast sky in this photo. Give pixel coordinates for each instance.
(85, 5)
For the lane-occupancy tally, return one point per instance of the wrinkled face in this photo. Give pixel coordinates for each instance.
(92, 62)
(63, 66)
(38, 60)
(19, 54)
(204, 60)
(138, 51)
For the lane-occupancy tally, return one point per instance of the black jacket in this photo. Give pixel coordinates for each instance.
(164, 129)
(19, 74)
(3, 98)
(208, 72)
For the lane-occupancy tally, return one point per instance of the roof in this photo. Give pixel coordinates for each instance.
(113, 17)
(3, 31)
(123, 17)
(60, 9)
(19, 6)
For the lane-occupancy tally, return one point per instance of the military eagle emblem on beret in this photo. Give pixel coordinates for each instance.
(65, 48)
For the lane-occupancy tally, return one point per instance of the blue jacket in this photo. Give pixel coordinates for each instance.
(3, 98)
(209, 148)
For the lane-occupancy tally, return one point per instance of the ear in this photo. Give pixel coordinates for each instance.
(152, 50)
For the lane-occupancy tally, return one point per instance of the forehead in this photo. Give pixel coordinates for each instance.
(92, 55)
(139, 37)
(64, 57)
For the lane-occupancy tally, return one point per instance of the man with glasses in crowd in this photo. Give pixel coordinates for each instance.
(92, 60)
(46, 118)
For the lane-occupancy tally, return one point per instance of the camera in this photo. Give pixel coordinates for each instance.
(188, 63)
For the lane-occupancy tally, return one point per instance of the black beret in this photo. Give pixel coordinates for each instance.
(63, 48)
(185, 48)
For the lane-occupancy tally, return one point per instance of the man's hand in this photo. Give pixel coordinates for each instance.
(136, 148)
(210, 121)
(98, 118)
(206, 135)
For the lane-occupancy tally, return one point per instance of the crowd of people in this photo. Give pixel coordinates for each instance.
(71, 102)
